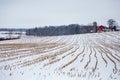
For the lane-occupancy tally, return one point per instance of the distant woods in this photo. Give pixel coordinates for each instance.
(60, 30)
(72, 29)
(65, 29)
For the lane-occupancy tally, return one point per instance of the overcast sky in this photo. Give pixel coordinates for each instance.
(36, 13)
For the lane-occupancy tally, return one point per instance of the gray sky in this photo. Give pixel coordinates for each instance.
(32, 13)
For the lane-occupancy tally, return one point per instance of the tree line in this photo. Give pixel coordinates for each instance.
(59, 30)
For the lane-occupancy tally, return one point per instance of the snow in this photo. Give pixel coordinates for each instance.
(94, 56)
(5, 34)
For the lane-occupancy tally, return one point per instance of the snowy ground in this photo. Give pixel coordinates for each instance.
(93, 56)
(6, 34)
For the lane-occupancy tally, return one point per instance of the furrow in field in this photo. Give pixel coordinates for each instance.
(83, 55)
(115, 65)
(45, 57)
(32, 53)
(18, 52)
(86, 65)
(102, 56)
(117, 55)
(70, 62)
(97, 47)
(62, 57)
(113, 36)
(109, 52)
(105, 45)
(112, 47)
(96, 63)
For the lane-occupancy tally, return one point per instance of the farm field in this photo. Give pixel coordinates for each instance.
(94, 56)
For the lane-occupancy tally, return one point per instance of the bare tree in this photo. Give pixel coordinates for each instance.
(111, 23)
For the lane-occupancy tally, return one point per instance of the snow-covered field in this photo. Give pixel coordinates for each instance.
(6, 34)
(93, 56)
